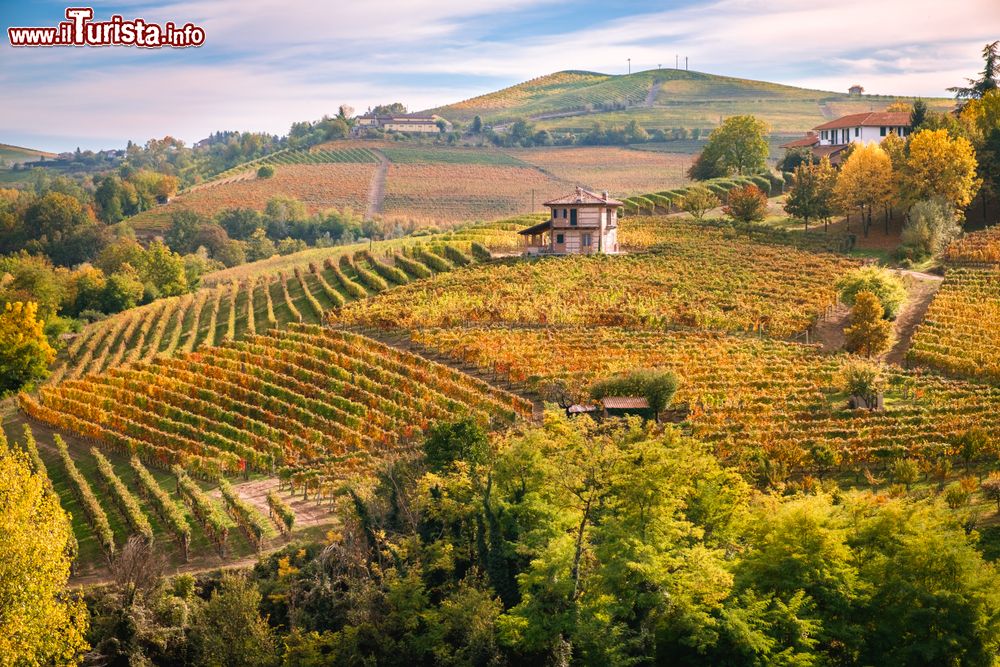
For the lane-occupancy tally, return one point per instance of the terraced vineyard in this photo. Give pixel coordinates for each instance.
(691, 280)
(305, 396)
(317, 155)
(756, 400)
(301, 291)
(960, 334)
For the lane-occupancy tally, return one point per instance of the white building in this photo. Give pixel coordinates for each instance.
(830, 138)
(582, 223)
(413, 123)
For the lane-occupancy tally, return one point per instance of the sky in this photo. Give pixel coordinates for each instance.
(266, 64)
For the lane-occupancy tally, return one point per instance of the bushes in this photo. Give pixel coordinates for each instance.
(885, 285)
(930, 226)
(747, 204)
(266, 171)
(698, 201)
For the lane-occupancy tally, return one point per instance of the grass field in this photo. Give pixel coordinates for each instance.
(18, 154)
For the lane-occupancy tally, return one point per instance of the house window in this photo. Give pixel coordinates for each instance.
(572, 216)
(560, 239)
(857, 131)
(564, 213)
(881, 131)
(586, 240)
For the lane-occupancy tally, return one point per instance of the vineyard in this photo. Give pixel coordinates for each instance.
(755, 399)
(692, 280)
(645, 232)
(459, 192)
(319, 186)
(239, 304)
(982, 247)
(307, 397)
(622, 171)
(960, 334)
(113, 497)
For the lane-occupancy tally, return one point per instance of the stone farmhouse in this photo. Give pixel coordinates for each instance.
(411, 123)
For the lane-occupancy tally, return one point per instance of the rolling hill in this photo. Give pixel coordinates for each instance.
(14, 154)
(663, 98)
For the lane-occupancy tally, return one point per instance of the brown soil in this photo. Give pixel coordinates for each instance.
(376, 191)
(921, 288)
(829, 332)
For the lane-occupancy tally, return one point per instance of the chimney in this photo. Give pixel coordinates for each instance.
(605, 195)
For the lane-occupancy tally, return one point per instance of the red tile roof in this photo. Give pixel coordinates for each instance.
(624, 403)
(585, 197)
(810, 139)
(868, 119)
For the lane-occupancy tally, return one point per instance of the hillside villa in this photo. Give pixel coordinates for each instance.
(832, 137)
(581, 223)
(413, 123)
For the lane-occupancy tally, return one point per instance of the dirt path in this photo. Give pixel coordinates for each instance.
(829, 332)
(376, 190)
(651, 95)
(921, 289)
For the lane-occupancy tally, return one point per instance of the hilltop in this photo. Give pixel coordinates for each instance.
(660, 98)
(19, 154)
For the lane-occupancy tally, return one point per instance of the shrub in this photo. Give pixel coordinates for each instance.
(930, 226)
(862, 378)
(698, 201)
(762, 182)
(868, 334)
(266, 171)
(991, 489)
(747, 204)
(481, 252)
(884, 284)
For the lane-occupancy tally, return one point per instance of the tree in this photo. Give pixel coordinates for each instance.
(64, 228)
(230, 631)
(477, 125)
(461, 440)
(883, 283)
(987, 81)
(240, 223)
(862, 378)
(121, 291)
(739, 145)
(40, 623)
(991, 489)
(164, 270)
(939, 166)
(746, 204)
(25, 353)
(698, 200)
(795, 157)
(868, 334)
(930, 227)
(184, 225)
(899, 106)
(918, 114)
(865, 181)
(265, 171)
(812, 193)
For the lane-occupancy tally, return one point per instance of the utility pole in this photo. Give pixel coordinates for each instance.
(685, 63)
(677, 63)
(629, 65)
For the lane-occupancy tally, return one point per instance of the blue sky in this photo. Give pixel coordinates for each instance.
(267, 64)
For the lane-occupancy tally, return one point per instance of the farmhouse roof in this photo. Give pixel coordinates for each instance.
(810, 139)
(868, 119)
(580, 408)
(585, 197)
(536, 229)
(624, 403)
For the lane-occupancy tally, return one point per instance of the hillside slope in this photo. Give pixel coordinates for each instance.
(659, 98)
(14, 154)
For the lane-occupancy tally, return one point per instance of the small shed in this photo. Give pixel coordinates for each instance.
(613, 406)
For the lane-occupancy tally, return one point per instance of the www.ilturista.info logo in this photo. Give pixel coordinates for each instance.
(80, 30)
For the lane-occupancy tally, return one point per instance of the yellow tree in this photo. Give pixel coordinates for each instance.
(865, 181)
(25, 353)
(940, 166)
(39, 623)
(868, 334)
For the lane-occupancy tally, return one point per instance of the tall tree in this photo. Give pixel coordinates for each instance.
(40, 624)
(865, 181)
(25, 353)
(939, 166)
(868, 334)
(811, 196)
(739, 145)
(987, 80)
(918, 114)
